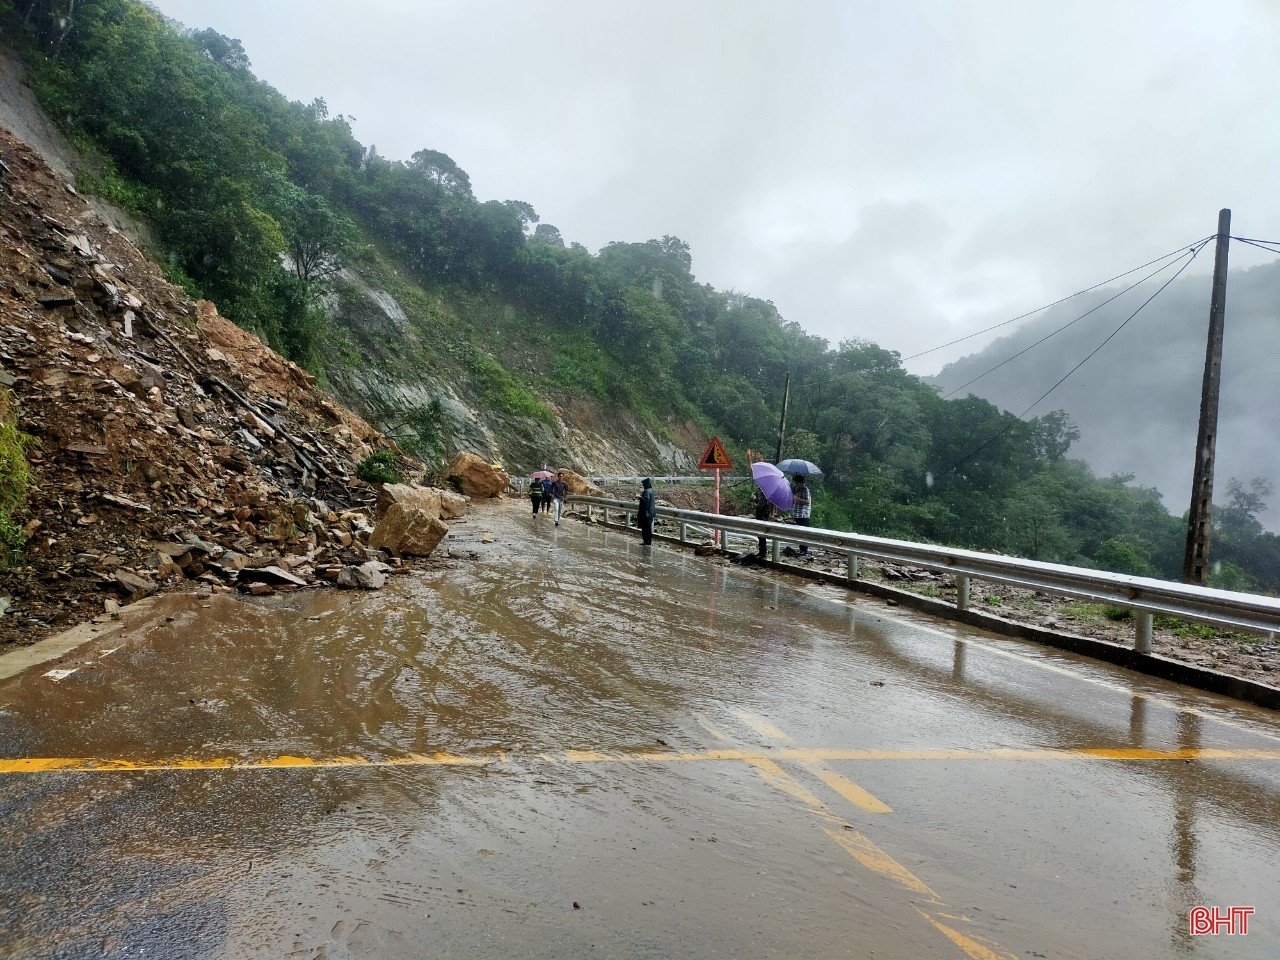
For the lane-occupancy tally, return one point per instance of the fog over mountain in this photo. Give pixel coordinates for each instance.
(1137, 401)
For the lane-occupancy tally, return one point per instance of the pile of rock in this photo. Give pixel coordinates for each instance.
(172, 446)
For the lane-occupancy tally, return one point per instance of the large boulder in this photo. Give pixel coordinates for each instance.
(452, 505)
(475, 477)
(426, 499)
(579, 484)
(408, 531)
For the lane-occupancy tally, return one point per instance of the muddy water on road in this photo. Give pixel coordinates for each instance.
(572, 718)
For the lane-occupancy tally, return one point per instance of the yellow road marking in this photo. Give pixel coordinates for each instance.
(282, 762)
(761, 726)
(860, 847)
(971, 947)
(872, 857)
(708, 726)
(779, 778)
(806, 756)
(860, 798)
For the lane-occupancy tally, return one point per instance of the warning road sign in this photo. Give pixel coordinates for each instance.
(715, 458)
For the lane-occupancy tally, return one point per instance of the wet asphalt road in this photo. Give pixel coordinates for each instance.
(576, 747)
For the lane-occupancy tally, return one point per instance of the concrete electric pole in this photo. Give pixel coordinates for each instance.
(1200, 521)
(782, 421)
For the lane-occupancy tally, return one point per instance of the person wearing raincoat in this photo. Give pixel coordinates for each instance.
(535, 494)
(647, 511)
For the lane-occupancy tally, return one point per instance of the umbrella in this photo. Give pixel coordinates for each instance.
(773, 484)
(800, 466)
(541, 475)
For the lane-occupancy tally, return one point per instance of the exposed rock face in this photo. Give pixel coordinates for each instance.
(579, 484)
(476, 477)
(408, 531)
(452, 505)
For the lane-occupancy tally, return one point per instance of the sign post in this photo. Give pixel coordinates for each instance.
(716, 459)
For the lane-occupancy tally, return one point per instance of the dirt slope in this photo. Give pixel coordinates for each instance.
(172, 445)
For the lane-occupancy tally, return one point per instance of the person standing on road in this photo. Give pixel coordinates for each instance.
(647, 511)
(802, 512)
(535, 495)
(764, 512)
(559, 490)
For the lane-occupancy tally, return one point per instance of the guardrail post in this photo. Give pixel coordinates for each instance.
(684, 530)
(853, 566)
(591, 512)
(773, 550)
(962, 592)
(1144, 621)
(626, 519)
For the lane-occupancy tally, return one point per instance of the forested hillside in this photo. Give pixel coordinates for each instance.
(1137, 402)
(412, 297)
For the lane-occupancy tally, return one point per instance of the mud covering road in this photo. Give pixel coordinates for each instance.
(572, 746)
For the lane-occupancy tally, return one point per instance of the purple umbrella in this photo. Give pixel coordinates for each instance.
(773, 484)
(541, 475)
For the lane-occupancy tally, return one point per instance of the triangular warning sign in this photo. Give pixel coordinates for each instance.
(715, 458)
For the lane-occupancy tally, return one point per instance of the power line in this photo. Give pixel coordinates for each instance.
(1195, 252)
(1005, 323)
(1260, 244)
(1110, 299)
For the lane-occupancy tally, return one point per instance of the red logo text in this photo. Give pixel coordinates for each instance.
(1212, 921)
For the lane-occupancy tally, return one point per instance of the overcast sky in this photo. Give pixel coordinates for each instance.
(905, 172)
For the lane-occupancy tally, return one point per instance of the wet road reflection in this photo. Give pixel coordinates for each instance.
(709, 762)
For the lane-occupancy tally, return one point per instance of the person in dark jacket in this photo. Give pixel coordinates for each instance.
(535, 494)
(763, 511)
(647, 511)
(802, 512)
(546, 494)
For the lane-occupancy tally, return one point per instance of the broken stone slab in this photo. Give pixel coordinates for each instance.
(53, 302)
(276, 576)
(132, 586)
(408, 530)
(90, 449)
(367, 576)
(123, 501)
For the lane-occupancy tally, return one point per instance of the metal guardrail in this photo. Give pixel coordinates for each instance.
(1145, 596)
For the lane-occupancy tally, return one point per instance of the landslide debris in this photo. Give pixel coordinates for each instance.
(171, 446)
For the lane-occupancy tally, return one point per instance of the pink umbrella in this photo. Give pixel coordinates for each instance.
(773, 484)
(541, 475)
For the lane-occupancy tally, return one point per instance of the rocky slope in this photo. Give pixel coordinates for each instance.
(169, 445)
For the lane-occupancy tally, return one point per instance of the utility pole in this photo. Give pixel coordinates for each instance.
(1200, 520)
(782, 421)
